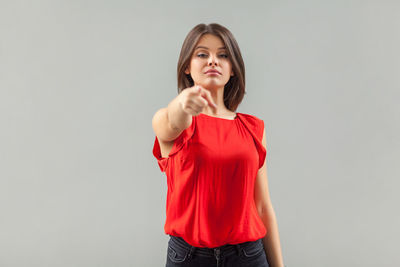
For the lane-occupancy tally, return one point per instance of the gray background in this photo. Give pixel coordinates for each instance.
(81, 80)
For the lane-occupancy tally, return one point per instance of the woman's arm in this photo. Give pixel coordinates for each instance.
(266, 212)
(169, 122)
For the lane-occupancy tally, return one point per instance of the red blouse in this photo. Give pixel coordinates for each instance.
(211, 171)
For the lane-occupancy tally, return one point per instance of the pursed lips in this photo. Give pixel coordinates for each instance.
(212, 71)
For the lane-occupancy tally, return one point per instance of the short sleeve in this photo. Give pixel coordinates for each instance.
(256, 126)
(179, 143)
(262, 150)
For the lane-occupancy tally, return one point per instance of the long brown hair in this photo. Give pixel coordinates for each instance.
(234, 89)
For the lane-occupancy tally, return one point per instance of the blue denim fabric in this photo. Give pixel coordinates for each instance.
(247, 254)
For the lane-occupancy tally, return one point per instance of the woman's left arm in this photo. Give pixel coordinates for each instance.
(266, 212)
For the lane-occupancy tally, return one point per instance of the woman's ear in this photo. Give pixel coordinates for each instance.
(187, 71)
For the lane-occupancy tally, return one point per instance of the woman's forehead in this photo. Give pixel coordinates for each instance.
(208, 41)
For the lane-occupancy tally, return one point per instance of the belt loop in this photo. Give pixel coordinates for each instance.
(217, 252)
(238, 249)
(192, 249)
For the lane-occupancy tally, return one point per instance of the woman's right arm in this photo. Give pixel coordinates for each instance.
(169, 122)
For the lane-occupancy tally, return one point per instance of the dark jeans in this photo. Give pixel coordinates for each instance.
(250, 254)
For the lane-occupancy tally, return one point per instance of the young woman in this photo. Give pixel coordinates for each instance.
(219, 212)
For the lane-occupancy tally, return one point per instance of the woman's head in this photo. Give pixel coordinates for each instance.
(201, 52)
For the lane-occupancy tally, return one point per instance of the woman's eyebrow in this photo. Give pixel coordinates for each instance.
(207, 47)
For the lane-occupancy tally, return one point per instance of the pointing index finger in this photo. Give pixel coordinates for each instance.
(210, 100)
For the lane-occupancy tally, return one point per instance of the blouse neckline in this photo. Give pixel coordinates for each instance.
(218, 118)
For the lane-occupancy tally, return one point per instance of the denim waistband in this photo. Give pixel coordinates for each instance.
(225, 249)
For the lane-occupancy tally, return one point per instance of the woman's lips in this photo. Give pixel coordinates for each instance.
(212, 72)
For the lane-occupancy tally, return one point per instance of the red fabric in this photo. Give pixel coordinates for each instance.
(211, 171)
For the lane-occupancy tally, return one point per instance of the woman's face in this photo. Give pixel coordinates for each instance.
(208, 54)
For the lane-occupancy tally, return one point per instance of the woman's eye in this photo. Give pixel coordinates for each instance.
(201, 55)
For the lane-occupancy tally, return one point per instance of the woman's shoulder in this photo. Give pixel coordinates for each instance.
(249, 116)
(252, 122)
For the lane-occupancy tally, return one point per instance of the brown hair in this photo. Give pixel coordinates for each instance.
(234, 89)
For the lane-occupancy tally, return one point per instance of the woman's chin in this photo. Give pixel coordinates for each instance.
(211, 84)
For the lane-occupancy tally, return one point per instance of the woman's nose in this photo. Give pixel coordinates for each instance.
(212, 60)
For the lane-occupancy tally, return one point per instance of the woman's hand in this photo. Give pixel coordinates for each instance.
(194, 99)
